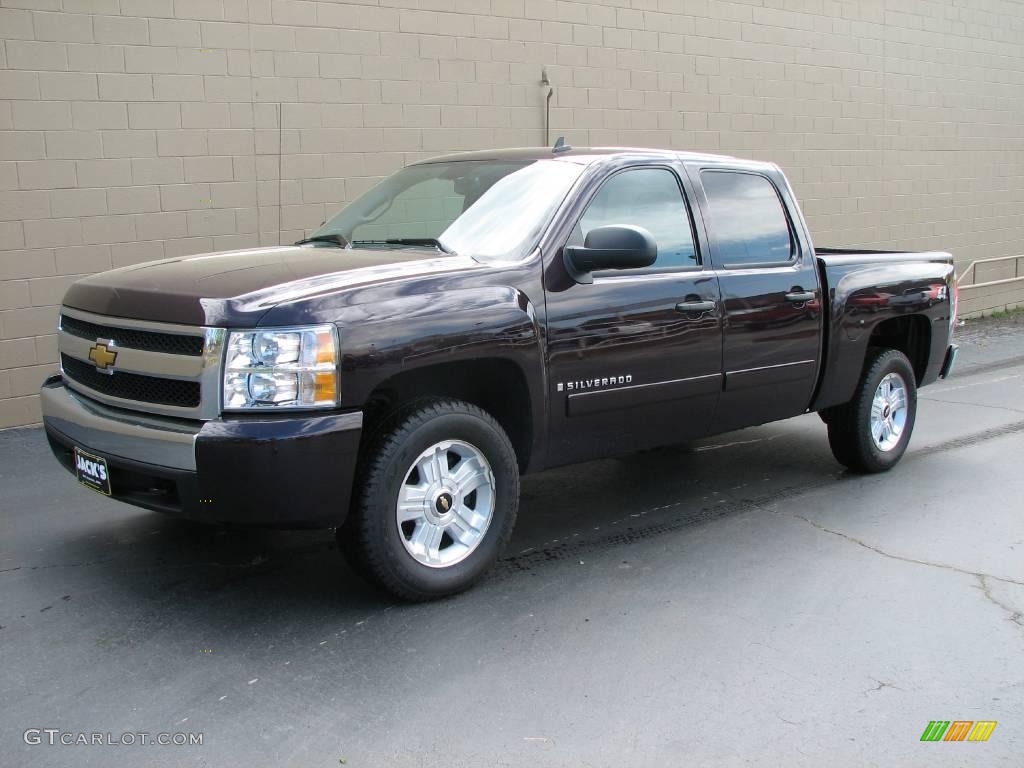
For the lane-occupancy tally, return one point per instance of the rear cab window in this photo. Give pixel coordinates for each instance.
(748, 222)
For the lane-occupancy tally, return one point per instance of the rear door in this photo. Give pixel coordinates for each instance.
(770, 295)
(634, 357)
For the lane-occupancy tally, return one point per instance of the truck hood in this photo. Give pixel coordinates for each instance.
(235, 288)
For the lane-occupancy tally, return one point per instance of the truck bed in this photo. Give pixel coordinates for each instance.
(840, 257)
(867, 289)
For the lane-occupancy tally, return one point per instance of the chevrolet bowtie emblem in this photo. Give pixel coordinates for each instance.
(102, 355)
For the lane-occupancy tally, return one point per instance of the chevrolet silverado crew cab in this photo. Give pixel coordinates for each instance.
(475, 317)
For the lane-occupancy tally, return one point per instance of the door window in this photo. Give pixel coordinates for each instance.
(748, 222)
(648, 198)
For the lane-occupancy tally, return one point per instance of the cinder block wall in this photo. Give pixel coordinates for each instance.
(132, 130)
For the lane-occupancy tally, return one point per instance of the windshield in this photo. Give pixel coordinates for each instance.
(488, 209)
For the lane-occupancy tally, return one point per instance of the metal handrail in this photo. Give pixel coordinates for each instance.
(971, 271)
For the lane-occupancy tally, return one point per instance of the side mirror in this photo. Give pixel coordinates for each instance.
(616, 246)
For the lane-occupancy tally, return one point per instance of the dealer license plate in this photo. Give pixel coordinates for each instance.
(92, 471)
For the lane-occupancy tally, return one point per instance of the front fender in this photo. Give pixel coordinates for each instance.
(405, 333)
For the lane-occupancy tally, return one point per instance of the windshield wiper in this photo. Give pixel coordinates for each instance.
(428, 242)
(337, 239)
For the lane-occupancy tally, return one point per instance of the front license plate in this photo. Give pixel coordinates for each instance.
(92, 471)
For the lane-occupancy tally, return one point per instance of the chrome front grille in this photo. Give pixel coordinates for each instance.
(173, 370)
(132, 386)
(168, 343)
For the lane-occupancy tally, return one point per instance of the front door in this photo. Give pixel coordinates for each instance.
(634, 357)
(770, 296)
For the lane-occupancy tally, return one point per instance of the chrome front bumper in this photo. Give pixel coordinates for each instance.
(191, 468)
(119, 433)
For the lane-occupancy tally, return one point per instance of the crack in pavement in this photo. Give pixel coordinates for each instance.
(1017, 617)
(902, 558)
(977, 405)
(881, 684)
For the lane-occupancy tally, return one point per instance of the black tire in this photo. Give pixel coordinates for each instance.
(371, 538)
(849, 426)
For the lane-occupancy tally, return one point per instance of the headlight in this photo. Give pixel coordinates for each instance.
(281, 368)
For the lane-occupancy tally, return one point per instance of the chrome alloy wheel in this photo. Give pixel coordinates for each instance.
(446, 503)
(889, 412)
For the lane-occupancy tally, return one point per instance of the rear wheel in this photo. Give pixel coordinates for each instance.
(439, 500)
(871, 432)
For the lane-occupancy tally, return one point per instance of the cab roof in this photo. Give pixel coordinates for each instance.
(585, 155)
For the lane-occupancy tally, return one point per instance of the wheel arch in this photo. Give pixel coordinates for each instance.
(496, 385)
(909, 334)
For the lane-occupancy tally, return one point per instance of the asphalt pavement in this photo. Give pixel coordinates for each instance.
(738, 601)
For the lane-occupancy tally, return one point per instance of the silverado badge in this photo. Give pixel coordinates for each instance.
(608, 381)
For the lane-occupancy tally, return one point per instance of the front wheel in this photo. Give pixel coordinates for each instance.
(871, 432)
(439, 500)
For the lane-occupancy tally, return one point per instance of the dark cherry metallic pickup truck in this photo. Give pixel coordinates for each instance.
(475, 317)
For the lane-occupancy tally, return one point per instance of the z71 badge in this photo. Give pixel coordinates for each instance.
(582, 384)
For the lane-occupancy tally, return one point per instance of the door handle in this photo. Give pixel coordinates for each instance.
(800, 297)
(695, 306)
